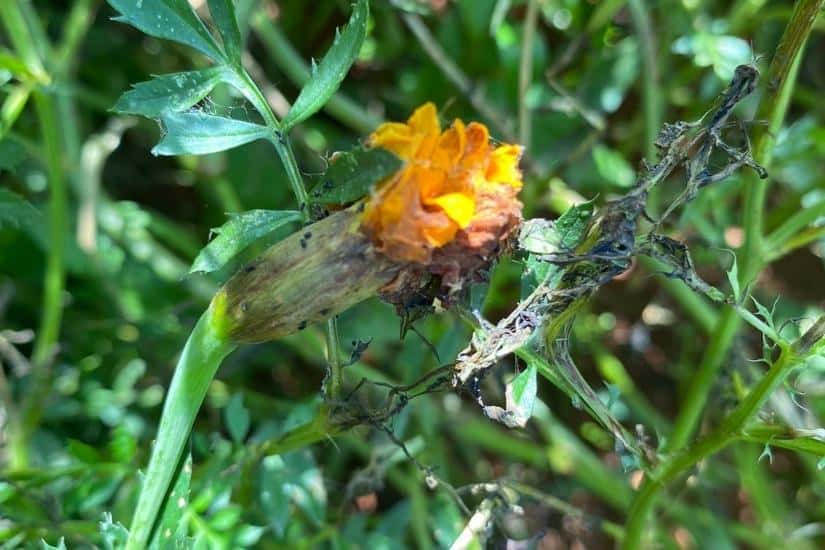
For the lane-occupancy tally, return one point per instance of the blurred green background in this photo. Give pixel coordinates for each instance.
(600, 80)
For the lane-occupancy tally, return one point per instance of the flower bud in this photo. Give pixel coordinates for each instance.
(310, 276)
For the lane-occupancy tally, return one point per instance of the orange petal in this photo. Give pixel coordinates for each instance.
(503, 167)
(396, 137)
(458, 207)
(425, 120)
(450, 146)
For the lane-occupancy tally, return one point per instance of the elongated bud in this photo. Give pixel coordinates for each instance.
(311, 275)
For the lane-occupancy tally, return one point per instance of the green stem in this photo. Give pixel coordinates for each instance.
(55, 275)
(792, 225)
(729, 430)
(751, 257)
(284, 149)
(525, 71)
(202, 355)
(781, 77)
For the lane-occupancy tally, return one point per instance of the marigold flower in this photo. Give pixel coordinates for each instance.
(454, 184)
(434, 225)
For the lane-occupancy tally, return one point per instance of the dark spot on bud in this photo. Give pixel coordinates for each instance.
(308, 234)
(249, 269)
(325, 311)
(244, 307)
(302, 325)
(303, 243)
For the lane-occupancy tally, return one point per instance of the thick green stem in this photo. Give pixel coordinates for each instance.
(728, 431)
(55, 275)
(202, 355)
(774, 106)
(751, 257)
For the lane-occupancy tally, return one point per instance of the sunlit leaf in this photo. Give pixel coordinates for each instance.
(169, 92)
(353, 174)
(328, 75)
(223, 14)
(238, 233)
(542, 237)
(170, 19)
(198, 133)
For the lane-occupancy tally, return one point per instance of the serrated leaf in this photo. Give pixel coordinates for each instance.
(542, 237)
(114, 534)
(733, 279)
(330, 72)
(353, 174)
(171, 529)
(199, 134)
(238, 233)
(169, 19)
(291, 478)
(61, 545)
(236, 417)
(223, 14)
(169, 92)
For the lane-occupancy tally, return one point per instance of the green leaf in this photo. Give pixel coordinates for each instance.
(521, 392)
(236, 417)
(18, 213)
(170, 19)
(11, 155)
(291, 478)
(733, 279)
(114, 534)
(169, 92)
(200, 134)
(61, 545)
(541, 237)
(328, 75)
(15, 211)
(172, 527)
(239, 232)
(352, 175)
(223, 14)
(613, 167)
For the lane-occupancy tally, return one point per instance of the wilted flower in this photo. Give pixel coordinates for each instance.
(443, 217)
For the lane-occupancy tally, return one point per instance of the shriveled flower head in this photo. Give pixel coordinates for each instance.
(434, 225)
(455, 187)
